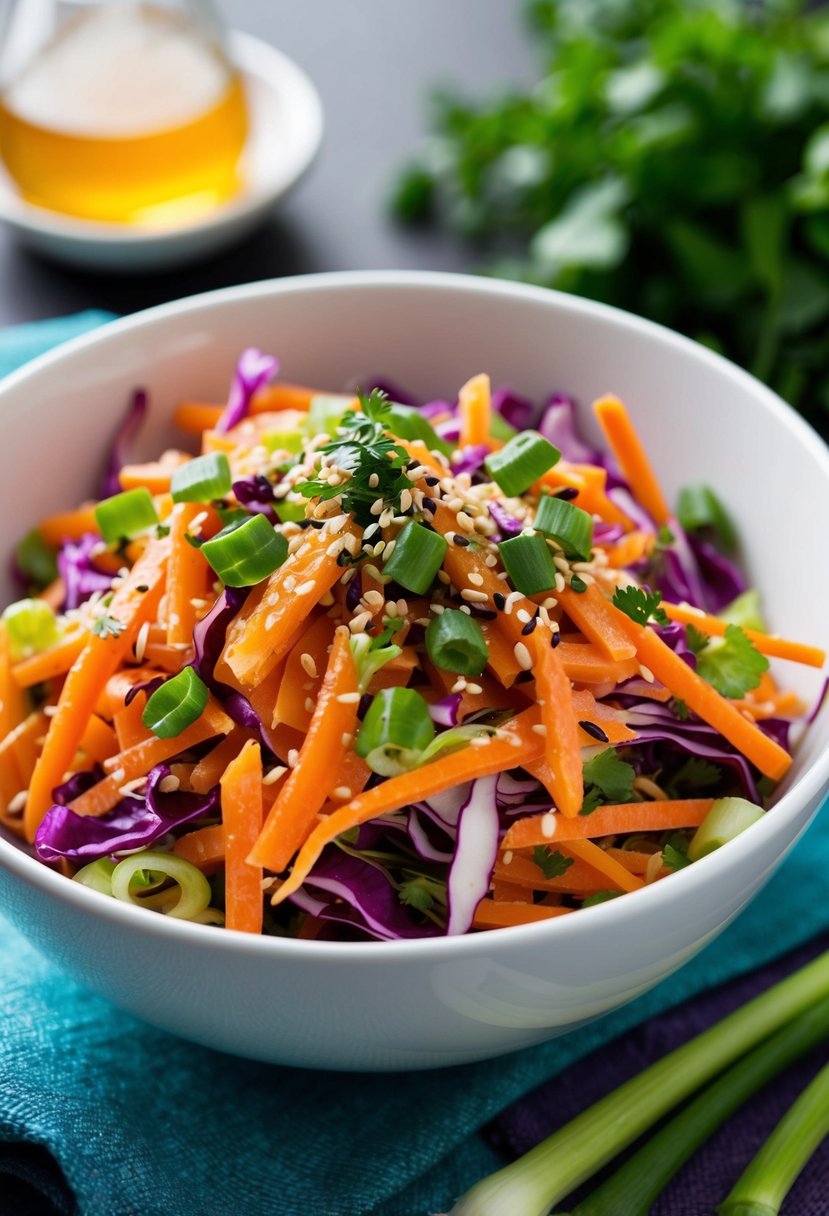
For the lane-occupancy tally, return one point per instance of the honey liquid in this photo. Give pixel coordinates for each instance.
(129, 114)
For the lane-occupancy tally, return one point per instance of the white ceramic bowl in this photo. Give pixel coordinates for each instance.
(285, 132)
(420, 1004)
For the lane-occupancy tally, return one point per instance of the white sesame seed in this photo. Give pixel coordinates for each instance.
(305, 588)
(273, 774)
(524, 616)
(475, 578)
(465, 608)
(349, 698)
(459, 685)
(444, 577)
(310, 705)
(358, 623)
(308, 664)
(465, 521)
(507, 858)
(402, 607)
(475, 689)
(548, 825)
(405, 500)
(647, 674)
(539, 728)
(522, 656)
(437, 608)
(169, 784)
(373, 481)
(373, 599)
(386, 518)
(474, 597)
(289, 583)
(347, 738)
(490, 560)
(349, 575)
(343, 792)
(17, 804)
(559, 584)
(49, 710)
(480, 741)
(293, 756)
(141, 641)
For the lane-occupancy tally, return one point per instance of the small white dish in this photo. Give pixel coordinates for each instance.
(286, 123)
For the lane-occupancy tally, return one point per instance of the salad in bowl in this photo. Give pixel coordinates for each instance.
(349, 666)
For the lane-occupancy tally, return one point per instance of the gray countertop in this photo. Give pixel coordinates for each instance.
(374, 63)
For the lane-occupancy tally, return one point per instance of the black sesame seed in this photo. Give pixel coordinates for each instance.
(500, 601)
(567, 493)
(555, 639)
(529, 627)
(432, 481)
(430, 505)
(457, 539)
(483, 614)
(595, 732)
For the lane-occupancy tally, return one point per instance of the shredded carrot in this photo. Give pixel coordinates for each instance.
(54, 594)
(50, 663)
(627, 447)
(474, 409)
(630, 549)
(584, 663)
(632, 859)
(293, 815)
(129, 728)
(154, 476)
(492, 915)
(98, 740)
(68, 525)
(623, 817)
(590, 486)
(12, 697)
(257, 642)
(188, 576)
(587, 610)
(578, 879)
(241, 787)
(562, 747)
(208, 771)
(99, 659)
(197, 416)
(204, 848)
(615, 873)
(766, 643)
(515, 744)
(299, 687)
(23, 745)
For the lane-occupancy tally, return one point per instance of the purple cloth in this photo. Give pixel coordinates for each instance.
(707, 1178)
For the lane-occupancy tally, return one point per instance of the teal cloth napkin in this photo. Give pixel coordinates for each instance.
(146, 1124)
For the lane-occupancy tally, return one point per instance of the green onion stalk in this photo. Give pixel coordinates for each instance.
(554, 1168)
(766, 1182)
(634, 1188)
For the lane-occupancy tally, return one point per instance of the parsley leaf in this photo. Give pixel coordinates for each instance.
(107, 627)
(375, 463)
(611, 779)
(735, 666)
(600, 897)
(640, 605)
(552, 864)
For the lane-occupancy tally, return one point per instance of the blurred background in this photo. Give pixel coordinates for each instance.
(668, 156)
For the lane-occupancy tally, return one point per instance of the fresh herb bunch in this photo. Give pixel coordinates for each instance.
(363, 449)
(674, 160)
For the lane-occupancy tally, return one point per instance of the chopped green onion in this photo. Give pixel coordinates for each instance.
(455, 642)
(698, 507)
(542, 1177)
(31, 626)
(636, 1185)
(416, 558)
(174, 706)
(397, 719)
(290, 511)
(283, 441)
(406, 422)
(521, 461)
(529, 563)
(569, 525)
(229, 516)
(194, 889)
(325, 414)
(125, 515)
(745, 611)
(499, 428)
(763, 1186)
(202, 480)
(727, 818)
(245, 554)
(36, 560)
(369, 658)
(97, 875)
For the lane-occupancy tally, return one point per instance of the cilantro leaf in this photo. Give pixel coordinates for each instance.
(416, 894)
(735, 666)
(374, 463)
(695, 774)
(107, 627)
(552, 864)
(696, 639)
(674, 858)
(641, 605)
(611, 777)
(679, 709)
(599, 897)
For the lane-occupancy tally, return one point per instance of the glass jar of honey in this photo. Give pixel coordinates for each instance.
(120, 111)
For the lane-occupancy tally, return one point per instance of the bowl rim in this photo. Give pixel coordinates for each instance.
(258, 61)
(808, 786)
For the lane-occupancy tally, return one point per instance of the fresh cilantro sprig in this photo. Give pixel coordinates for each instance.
(734, 666)
(607, 779)
(641, 605)
(693, 776)
(675, 855)
(107, 627)
(375, 463)
(421, 893)
(552, 864)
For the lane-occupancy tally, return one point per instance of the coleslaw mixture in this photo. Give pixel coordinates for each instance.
(371, 668)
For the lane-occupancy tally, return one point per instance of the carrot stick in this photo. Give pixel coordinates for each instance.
(474, 407)
(257, 643)
(196, 416)
(241, 786)
(187, 576)
(334, 719)
(68, 525)
(208, 771)
(766, 643)
(12, 697)
(155, 475)
(515, 744)
(85, 682)
(584, 663)
(588, 709)
(298, 685)
(54, 594)
(138, 760)
(587, 611)
(23, 744)
(51, 663)
(615, 873)
(578, 879)
(204, 848)
(631, 859)
(129, 728)
(562, 747)
(492, 915)
(627, 447)
(699, 696)
(352, 776)
(631, 548)
(98, 740)
(502, 662)
(623, 817)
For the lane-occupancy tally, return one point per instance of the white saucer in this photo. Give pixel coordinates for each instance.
(285, 132)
